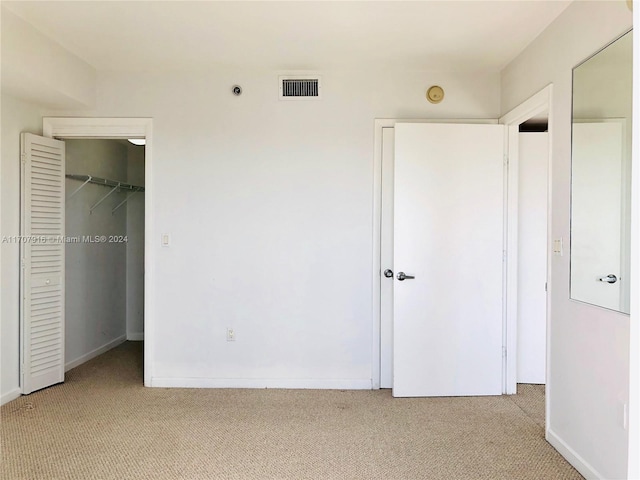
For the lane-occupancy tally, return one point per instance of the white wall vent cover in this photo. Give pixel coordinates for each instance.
(300, 87)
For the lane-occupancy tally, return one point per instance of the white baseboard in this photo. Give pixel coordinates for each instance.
(293, 383)
(10, 396)
(94, 353)
(135, 337)
(572, 457)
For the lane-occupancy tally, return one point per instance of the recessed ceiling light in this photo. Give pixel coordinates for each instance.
(138, 141)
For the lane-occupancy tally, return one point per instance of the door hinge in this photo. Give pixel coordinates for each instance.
(506, 160)
(546, 286)
(23, 156)
(504, 352)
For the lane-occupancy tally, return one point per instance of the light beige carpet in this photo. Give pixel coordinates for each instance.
(103, 424)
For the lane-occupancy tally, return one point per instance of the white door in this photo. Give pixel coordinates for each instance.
(448, 234)
(42, 258)
(533, 159)
(596, 212)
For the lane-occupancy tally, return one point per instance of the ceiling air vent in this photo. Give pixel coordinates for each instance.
(300, 87)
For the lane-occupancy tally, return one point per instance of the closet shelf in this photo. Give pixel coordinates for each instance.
(115, 186)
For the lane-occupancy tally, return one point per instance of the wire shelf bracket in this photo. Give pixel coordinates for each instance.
(113, 211)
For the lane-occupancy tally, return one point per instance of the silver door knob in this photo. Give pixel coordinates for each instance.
(388, 273)
(403, 276)
(611, 278)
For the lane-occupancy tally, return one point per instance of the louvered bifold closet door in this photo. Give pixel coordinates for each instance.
(42, 257)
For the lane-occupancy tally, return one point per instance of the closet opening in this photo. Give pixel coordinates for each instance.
(529, 136)
(104, 250)
(533, 174)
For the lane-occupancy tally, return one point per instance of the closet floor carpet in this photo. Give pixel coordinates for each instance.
(103, 424)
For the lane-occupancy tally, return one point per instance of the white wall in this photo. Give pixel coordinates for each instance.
(37, 69)
(135, 246)
(588, 383)
(96, 273)
(269, 208)
(17, 117)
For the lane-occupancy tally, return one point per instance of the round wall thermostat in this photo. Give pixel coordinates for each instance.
(435, 94)
(237, 90)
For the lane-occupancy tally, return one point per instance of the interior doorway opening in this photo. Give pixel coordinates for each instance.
(529, 256)
(122, 129)
(385, 189)
(535, 114)
(73, 302)
(104, 248)
(533, 172)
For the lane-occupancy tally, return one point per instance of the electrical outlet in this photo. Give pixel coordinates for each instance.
(231, 335)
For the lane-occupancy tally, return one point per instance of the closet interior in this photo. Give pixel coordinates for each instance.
(104, 254)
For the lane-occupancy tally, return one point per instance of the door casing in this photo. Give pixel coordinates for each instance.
(106, 128)
(537, 104)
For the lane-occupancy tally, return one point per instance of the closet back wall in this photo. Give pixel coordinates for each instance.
(96, 273)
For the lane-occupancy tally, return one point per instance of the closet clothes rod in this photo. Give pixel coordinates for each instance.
(102, 181)
(113, 184)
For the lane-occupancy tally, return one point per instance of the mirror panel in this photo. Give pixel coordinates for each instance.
(601, 177)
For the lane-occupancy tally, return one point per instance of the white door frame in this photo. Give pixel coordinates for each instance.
(77, 127)
(538, 103)
(379, 125)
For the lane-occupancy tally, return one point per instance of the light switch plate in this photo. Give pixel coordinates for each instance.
(557, 246)
(166, 240)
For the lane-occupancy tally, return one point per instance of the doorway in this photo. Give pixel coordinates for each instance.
(104, 250)
(525, 275)
(533, 160)
(486, 193)
(118, 128)
(538, 105)
(76, 289)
